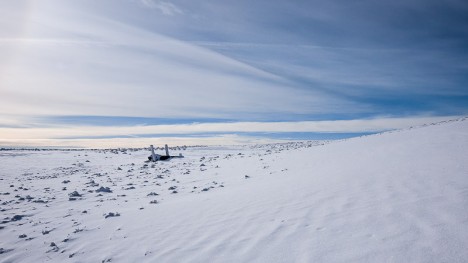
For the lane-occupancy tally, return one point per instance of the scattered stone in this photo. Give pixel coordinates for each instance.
(152, 194)
(23, 236)
(154, 202)
(111, 214)
(246, 177)
(77, 230)
(17, 217)
(92, 183)
(55, 248)
(2, 250)
(104, 190)
(74, 194)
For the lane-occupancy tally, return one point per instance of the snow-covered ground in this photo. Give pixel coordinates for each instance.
(393, 197)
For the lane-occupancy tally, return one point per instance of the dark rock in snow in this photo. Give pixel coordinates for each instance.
(111, 214)
(74, 194)
(17, 217)
(104, 190)
(2, 250)
(54, 246)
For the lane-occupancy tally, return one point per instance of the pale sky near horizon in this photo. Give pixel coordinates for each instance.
(103, 69)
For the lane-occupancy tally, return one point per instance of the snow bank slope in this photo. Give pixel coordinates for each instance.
(393, 197)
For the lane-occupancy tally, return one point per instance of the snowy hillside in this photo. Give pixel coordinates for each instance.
(394, 197)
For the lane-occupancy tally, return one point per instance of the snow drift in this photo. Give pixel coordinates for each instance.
(393, 197)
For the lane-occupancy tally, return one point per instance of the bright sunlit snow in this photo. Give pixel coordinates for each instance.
(393, 197)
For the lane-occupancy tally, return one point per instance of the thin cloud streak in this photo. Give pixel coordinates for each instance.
(339, 126)
(167, 8)
(116, 69)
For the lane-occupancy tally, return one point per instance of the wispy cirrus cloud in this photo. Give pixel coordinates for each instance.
(58, 131)
(98, 66)
(165, 7)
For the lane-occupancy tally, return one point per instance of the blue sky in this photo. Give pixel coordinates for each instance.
(111, 67)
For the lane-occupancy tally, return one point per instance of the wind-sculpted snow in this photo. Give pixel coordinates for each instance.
(391, 197)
